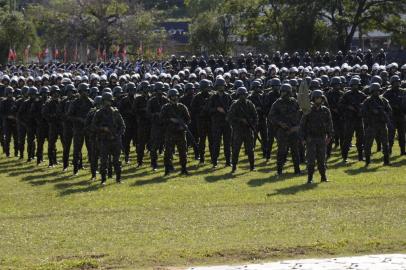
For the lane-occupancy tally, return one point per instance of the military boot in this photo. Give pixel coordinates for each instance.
(103, 179)
(234, 168)
(360, 156)
(367, 160)
(310, 173)
(386, 161)
(184, 171)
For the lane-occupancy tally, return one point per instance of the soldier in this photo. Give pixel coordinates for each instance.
(92, 134)
(110, 127)
(67, 125)
(350, 107)
(285, 115)
(259, 102)
(375, 113)
(154, 106)
(219, 104)
(243, 118)
(8, 112)
(125, 108)
(175, 117)
(40, 122)
(51, 113)
(21, 130)
(396, 98)
(27, 119)
(140, 112)
(77, 113)
(317, 130)
(333, 97)
(270, 99)
(186, 100)
(200, 112)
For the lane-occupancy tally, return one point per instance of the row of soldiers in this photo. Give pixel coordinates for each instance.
(157, 115)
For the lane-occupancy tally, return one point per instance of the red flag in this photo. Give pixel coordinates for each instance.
(104, 55)
(10, 55)
(27, 53)
(124, 53)
(76, 53)
(65, 54)
(141, 49)
(14, 55)
(116, 49)
(46, 52)
(56, 53)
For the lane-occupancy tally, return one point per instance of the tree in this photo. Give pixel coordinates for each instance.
(346, 16)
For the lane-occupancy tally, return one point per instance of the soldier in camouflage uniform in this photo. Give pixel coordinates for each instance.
(110, 127)
(285, 115)
(376, 113)
(92, 134)
(8, 112)
(175, 117)
(317, 130)
(243, 119)
(40, 122)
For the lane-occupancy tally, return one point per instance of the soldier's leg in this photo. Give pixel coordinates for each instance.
(169, 148)
(202, 130)
(249, 145)
(321, 158)
(103, 161)
(369, 139)
(348, 133)
(216, 137)
(142, 139)
(359, 133)
(41, 135)
(115, 154)
(294, 148)
(6, 137)
(127, 143)
(311, 158)
(237, 143)
(67, 143)
(227, 143)
(21, 140)
(263, 132)
(282, 151)
(182, 150)
(78, 139)
(401, 134)
(155, 144)
(15, 139)
(52, 135)
(92, 156)
(30, 143)
(271, 139)
(383, 136)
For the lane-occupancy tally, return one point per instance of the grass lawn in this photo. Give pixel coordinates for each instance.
(50, 219)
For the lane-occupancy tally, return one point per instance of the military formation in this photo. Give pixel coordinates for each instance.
(301, 106)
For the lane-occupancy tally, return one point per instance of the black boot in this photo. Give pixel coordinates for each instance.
(310, 173)
(367, 161)
(360, 156)
(386, 161)
(234, 168)
(323, 177)
(118, 176)
(103, 179)
(184, 171)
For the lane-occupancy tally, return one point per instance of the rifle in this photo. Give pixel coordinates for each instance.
(185, 127)
(256, 135)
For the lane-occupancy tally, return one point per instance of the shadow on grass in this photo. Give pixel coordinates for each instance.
(271, 179)
(156, 180)
(216, 178)
(72, 191)
(293, 190)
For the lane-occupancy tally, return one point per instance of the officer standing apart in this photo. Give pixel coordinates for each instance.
(317, 130)
(110, 125)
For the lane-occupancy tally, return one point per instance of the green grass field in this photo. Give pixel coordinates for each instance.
(52, 220)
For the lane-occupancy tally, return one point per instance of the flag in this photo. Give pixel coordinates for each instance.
(75, 56)
(115, 51)
(65, 54)
(104, 55)
(140, 49)
(27, 53)
(159, 51)
(14, 55)
(124, 53)
(87, 51)
(46, 52)
(56, 53)
(10, 55)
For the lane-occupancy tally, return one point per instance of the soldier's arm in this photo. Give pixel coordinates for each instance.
(329, 124)
(186, 115)
(121, 124)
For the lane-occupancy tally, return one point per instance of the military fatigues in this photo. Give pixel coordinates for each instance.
(77, 113)
(187, 101)
(67, 129)
(285, 115)
(91, 132)
(333, 97)
(220, 128)
(315, 127)
(270, 99)
(350, 107)
(27, 119)
(143, 132)
(51, 113)
(41, 126)
(109, 142)
(243, 118)
(175, 132)
(376, 115)
(154, 106)
(8, 112)
(21, 130)
(125, 107)
(200, 113)
(262, 111)
(397, 100)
